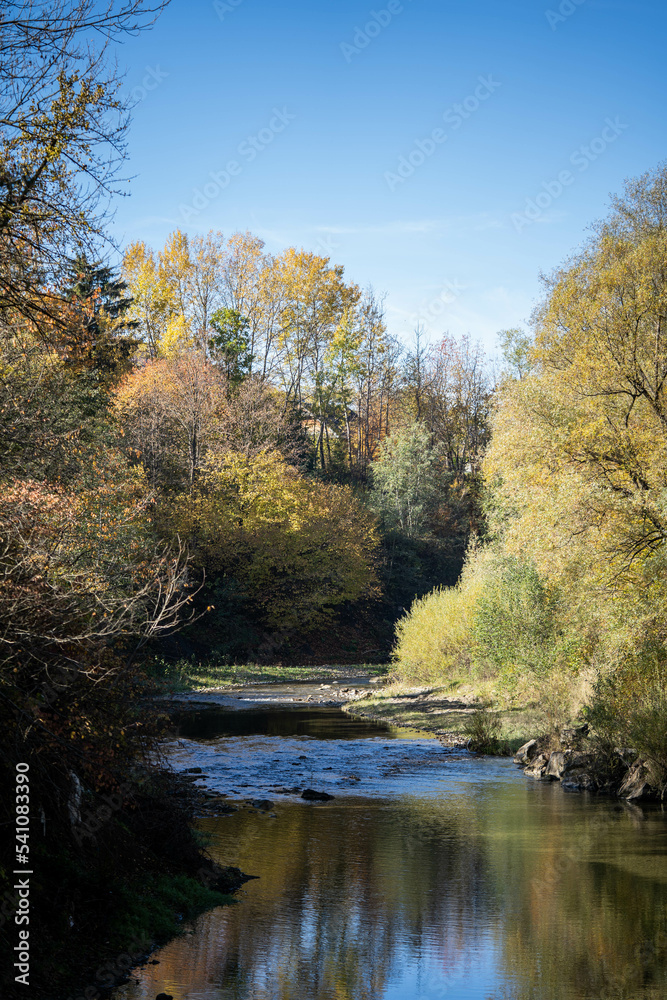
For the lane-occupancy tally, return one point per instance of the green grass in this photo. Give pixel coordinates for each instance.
(189, 675)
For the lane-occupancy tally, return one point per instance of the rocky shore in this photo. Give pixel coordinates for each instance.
(580, 766)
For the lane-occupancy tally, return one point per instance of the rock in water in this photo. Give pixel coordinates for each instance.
(312, 796)
(164, 996)
(579, 783)
(557, 765)
(637, 783)
(538, 767)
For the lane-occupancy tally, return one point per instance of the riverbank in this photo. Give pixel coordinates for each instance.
(363, 691)
(581, 763)
(449, 715)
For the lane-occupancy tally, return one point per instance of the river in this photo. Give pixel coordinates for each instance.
(432, 873)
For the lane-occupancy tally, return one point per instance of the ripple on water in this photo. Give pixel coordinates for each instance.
(266, 749)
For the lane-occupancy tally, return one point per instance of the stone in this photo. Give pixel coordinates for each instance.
(557, 765)
(579, 783)
(572, 738)
(527, 752)
(627, 755)
(312, 796)
(164, 996)
(193, 770)
(538, 766)
(637, 783)
(578, 759)
(266, 804)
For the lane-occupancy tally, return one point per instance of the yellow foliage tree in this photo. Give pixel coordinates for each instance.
(170, 408)
(579, 452)
(153, 305)
(297, 546)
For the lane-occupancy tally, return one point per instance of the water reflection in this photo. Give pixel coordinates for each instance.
(321, 723)
(499, 890)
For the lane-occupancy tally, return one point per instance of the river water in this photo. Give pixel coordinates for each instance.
(431, 873)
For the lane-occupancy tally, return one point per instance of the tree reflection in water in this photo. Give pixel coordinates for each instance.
(506, 892)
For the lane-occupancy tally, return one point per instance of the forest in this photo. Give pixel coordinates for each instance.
(208, 451)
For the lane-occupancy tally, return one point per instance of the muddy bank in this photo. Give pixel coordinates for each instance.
(445, 713)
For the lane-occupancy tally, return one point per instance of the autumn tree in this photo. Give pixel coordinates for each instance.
(251, 287)
(575, 483)
(192, 268)
(291, 320)
(80, 569)
(587, 429)
(456, 401)
(376, 376)
(170, 409)
(515, 347)
(296, 546)
(152, 305)
(254, 420)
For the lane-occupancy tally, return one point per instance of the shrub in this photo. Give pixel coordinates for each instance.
(515, 619)
(483, 729)
(433, 638)
(500, 621)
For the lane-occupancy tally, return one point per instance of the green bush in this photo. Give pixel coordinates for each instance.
(514, 620)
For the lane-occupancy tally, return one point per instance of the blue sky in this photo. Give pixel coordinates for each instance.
(292, 120)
